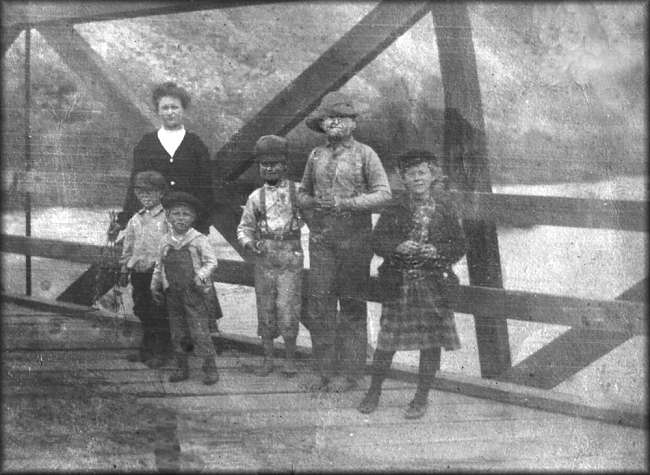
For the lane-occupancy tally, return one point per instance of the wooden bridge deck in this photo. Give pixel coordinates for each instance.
(74, 403)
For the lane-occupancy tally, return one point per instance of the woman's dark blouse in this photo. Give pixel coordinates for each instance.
(395, 224)
(189, 171)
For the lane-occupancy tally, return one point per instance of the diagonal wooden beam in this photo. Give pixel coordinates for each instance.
(132, 114)
(358, 47)
(572, 351)
(78, 11)
(131, 118)
(9, 35)
(637, 293)
(465, 160)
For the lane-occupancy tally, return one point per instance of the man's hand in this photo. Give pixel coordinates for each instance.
(333, 203)
(408, 247)
(428, 251)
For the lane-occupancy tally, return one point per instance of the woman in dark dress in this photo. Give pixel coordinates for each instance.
(419, 238)
(180, 155)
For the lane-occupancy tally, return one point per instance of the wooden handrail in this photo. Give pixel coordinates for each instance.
(605, 315)
(530, 210)
(505, 209)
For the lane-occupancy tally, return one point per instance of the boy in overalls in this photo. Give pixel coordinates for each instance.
(142, 238)
(183, 278)
(270, 230)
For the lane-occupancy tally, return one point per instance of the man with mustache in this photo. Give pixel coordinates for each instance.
(343, 183)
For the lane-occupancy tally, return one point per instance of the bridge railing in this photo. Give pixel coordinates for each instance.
(612, 321)
(514, 210)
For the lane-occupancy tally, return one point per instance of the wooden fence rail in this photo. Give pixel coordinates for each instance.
(605, 315)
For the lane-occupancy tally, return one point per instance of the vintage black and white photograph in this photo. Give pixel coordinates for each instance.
(344, 236)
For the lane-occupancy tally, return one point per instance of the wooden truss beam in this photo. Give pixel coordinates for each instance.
(131, 114)
(572, 351)
(81, 11)
(358, 47)
(530, 210)
(130, 118)
(465, 155)
(9, 35)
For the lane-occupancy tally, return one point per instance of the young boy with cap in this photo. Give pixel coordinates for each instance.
(143, 234)
(182, 278)
(270, 230)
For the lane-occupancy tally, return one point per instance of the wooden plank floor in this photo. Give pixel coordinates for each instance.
(72, 402)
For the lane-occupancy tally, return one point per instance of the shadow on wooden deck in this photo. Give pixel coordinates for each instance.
(77, 404)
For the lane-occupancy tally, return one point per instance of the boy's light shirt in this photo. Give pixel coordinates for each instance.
(142, 237)
(278, 211)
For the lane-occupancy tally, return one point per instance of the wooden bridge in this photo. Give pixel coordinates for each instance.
(509, 418)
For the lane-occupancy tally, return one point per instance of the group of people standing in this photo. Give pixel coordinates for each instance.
(417, 235)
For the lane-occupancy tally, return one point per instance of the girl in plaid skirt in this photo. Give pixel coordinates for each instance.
(419, 238)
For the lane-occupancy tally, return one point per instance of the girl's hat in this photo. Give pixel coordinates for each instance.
(415, 157)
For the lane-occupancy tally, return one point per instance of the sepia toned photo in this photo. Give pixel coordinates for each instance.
(341, 236)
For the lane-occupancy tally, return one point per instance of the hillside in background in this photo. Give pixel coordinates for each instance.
(563, 85)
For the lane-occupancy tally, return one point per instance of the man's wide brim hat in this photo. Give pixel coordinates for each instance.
(174, 198)
(334, 104)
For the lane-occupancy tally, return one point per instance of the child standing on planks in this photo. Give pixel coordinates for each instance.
(270, 230)
(419, 237)
(142, 238)
(183, 278)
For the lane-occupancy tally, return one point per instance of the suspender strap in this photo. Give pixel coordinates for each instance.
(263, 203)
(264, 228)
(293, 201)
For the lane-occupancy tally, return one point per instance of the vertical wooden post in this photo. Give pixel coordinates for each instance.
(465, 161)
(28, 155)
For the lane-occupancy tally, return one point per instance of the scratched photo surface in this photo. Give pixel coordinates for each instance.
(536, 114)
